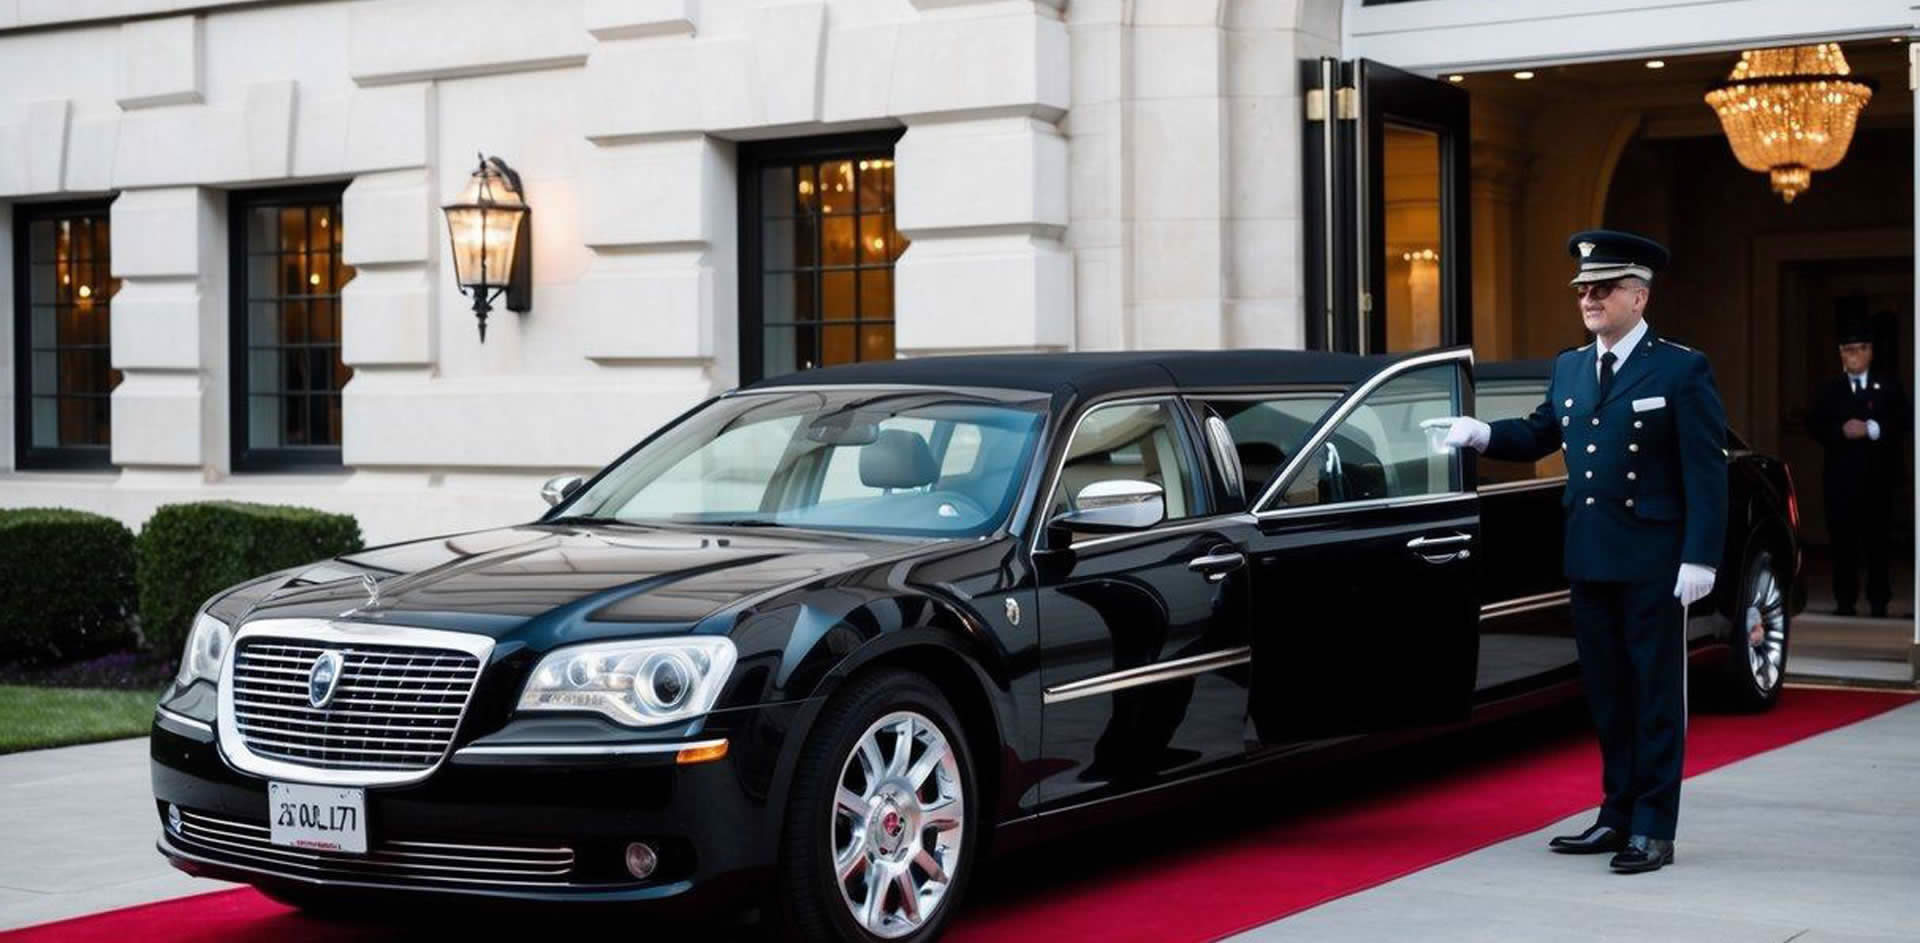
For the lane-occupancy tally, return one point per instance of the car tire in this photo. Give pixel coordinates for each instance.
(862, 816)
(1755, 667)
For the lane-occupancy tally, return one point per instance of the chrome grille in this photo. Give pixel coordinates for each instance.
(394, 708)
(405, 862)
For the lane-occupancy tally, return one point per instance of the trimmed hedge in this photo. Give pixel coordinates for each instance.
(188, 552)
(68, 582)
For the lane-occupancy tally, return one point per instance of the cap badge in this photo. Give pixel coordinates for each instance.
(1586, 249)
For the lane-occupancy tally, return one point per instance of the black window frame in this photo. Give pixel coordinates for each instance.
(26, 455)
(242, 456)
(752, 158)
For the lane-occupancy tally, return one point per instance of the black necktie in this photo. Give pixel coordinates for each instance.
(1606, 373)
(1859, 386)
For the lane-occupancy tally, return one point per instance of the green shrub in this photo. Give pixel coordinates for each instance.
(188, 552)
(67, 580)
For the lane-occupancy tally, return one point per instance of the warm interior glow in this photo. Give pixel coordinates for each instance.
(1523, 76)
(1789, 112)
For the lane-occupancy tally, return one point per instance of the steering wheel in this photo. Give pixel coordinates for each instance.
(968, 507)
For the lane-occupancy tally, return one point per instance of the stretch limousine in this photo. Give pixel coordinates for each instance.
(825, 640)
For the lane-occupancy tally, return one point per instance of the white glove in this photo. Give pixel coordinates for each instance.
(1462, 430)
(1694, 584)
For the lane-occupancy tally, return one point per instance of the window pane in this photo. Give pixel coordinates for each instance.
(43, 326)
(1413, 250)
(293, 322)
(46, 370)
(263, 234)
(779, 354)
(263, 422)
(40, 238)
(876, 293)
(876, 342)
(263, 323)
(778, 194)
(1495, 400)
(875, 233)
(788, 298)
(1379, 450)
(323, 321)
(789, 243)
(293, 230)
(296, 425)
(836, 241)
(836, 344)
(46, 422)
(837, 302)
(876, 185)
(836, 187)
(43, 281)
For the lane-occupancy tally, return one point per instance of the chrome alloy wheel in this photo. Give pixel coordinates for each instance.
(897, 824)
(1766, 624)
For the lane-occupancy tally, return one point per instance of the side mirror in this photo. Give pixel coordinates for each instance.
(1110, 507)
(559, 488)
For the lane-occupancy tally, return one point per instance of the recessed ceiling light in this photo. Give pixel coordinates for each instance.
(1523, 76)
(1899, 39)
(1656, 63)
(1456, 79)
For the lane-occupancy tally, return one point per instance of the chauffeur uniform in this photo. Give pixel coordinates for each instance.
(1862, 475)
(1643, 433)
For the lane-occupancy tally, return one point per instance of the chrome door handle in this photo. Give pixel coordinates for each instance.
(1428, 543)
(1217, 565)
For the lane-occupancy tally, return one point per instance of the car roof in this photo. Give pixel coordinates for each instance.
(1095, 373)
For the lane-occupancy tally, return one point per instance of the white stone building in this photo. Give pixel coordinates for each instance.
(228, 274)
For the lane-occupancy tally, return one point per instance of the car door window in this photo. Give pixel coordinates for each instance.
(1268, 428)
(1379, 450)
(1129, 441)
(1495, 400)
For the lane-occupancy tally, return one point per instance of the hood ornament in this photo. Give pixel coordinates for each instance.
(372, 586)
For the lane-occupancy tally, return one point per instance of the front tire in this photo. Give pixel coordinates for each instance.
(1756, 665)
(881, 825)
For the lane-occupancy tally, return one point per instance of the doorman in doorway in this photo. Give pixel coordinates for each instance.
(1857, 418)
(1644, 434)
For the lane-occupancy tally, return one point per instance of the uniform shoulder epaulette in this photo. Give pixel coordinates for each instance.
(1673, 344)
(1569, 350)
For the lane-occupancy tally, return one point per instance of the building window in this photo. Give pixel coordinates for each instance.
(817, 247)
(285, 332)
(63, 288)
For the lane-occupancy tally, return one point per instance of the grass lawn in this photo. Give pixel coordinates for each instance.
(31, 718)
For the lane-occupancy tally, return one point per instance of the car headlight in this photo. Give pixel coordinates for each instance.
(637, 683)
(206, 648)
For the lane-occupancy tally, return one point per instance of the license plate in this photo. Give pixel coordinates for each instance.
(318, 818)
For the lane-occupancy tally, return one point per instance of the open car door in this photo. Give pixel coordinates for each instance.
(1364, 565)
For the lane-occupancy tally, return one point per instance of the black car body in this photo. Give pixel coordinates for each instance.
(1184, 563)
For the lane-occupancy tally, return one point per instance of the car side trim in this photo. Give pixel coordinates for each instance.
(1148, 674)
(1520, 604)
(1530, 484)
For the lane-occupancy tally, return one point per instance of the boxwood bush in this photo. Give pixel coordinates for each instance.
(188, 552)
(67, 577)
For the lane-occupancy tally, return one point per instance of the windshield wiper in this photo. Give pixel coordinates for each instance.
(746, 522)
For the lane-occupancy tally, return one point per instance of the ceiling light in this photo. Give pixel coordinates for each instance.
(1456, 79)
(1523, 76)
(1656, 63)
(1789, 112)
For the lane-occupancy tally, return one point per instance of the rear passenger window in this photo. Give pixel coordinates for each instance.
(1513, 399)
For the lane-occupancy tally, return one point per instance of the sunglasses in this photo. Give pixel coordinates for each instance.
(1598, 291)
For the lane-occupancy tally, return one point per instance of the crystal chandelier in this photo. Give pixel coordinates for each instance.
(1789, 112)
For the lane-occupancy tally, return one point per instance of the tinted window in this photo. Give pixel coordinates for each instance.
(1267, 430)
(1513, 399)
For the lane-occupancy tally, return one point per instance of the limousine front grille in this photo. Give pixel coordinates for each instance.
(394, 707)
(421, 863)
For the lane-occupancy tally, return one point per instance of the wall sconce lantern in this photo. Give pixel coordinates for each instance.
(490, 225)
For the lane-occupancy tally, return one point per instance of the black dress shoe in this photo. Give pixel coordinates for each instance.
(1599, 839)
(1642, 854)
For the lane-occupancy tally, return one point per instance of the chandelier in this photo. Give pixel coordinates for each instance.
(1789, 112)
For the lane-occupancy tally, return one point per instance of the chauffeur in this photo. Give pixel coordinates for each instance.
(1646, 506)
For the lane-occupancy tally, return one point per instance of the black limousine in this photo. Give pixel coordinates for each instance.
(823, 641)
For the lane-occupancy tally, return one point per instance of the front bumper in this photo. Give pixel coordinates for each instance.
(516, 824)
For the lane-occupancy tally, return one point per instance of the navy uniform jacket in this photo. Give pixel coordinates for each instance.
(1646, 470)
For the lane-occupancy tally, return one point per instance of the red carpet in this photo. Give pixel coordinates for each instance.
(1200, 891)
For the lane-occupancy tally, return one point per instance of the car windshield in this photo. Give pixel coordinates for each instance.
(925, 463)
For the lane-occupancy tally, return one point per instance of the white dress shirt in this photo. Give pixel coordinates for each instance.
(1857, 382)
(1622, 350)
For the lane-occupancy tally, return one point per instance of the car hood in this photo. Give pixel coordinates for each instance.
(495, 581)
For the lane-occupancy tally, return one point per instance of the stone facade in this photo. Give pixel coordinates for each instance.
(1099, 174)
